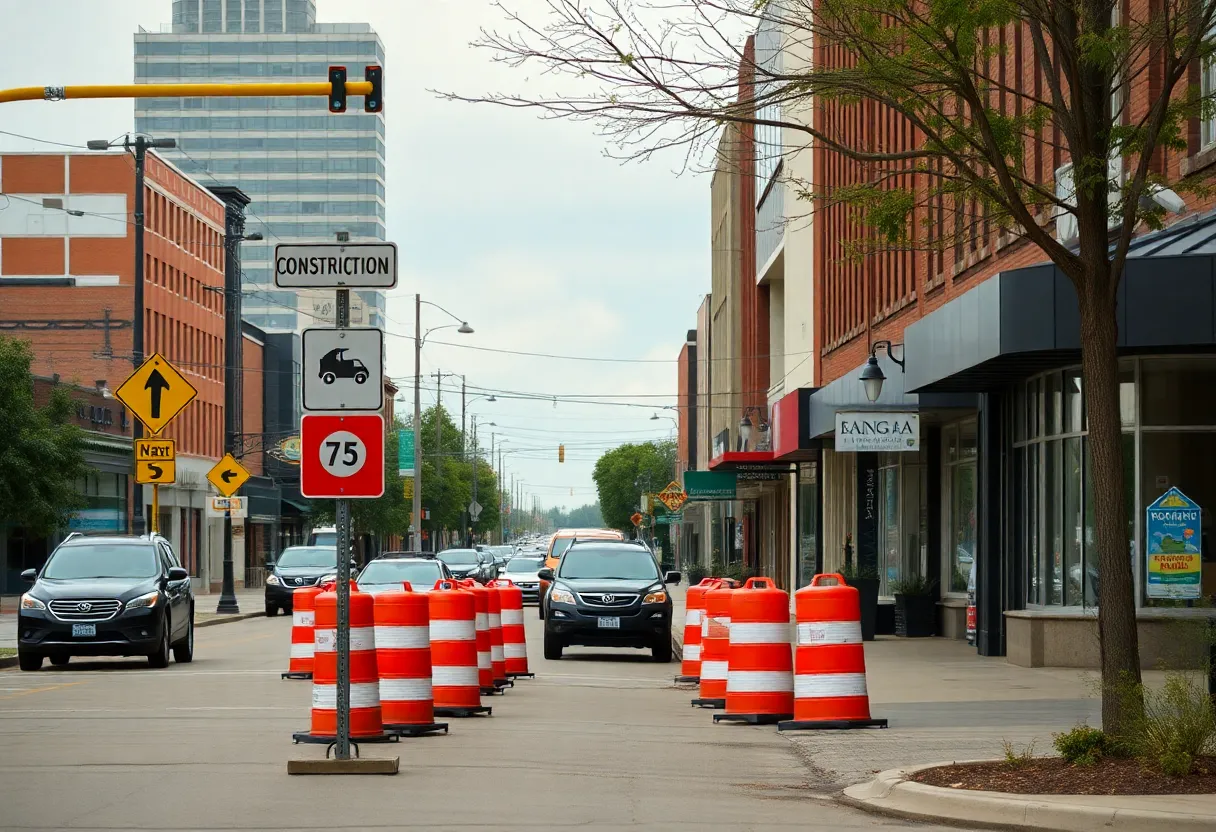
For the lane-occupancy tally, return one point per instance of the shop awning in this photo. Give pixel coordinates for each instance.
(1025, 320)
(295, 506)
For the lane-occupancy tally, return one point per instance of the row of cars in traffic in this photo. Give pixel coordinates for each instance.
(130, 596)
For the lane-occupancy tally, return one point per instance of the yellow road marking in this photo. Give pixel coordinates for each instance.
(44, 690)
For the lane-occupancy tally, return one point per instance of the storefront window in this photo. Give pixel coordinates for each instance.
(1053, 403)
(902, 518)
(1182, 459)
(1073, 528)
(1179, 391)
(1074, 417)
(960, 441)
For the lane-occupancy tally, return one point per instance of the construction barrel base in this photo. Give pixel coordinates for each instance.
(503, 683)
(290, 675)
(492, 691)
(752, 719)
(716, 704)
(313, 739)
(472, 710)
(830, 724)
(416, 730)
(688, 680)
(521, 675)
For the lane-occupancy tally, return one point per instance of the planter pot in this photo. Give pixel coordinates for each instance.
(867, 588)
(915, 616)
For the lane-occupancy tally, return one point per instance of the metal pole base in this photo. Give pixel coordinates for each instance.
(296, 675)
(688, 680)
(227, 606)
(716, 704)
(753, 719)
(521, 675)
(460, 713)
(830, 724)
(315, 739)
(370, 765)
(416, 730)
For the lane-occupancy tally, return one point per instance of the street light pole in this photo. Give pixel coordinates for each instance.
(416, 541)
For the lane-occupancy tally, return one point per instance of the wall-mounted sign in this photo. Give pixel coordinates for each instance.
(1174, 546)
(289, 448)
(877, 430)
(709, 485)
(234, 507)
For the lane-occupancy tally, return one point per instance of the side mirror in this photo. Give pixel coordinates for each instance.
(672, 578)
(545, 574)
(269, 566)
(29, 575)
(176, 573)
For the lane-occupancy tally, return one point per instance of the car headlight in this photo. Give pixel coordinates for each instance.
(657, 596)
(561, 596)
(29, 602)
(327, 579)
(273, 580)
(144, 601)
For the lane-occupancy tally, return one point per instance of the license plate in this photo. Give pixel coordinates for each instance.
(81, 630)
(610, 623)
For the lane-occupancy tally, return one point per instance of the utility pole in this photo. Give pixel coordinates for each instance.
(502, 523)
(472, 534)
(139, 145)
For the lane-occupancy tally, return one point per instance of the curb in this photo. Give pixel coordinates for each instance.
(228, 619)
(890, 793)
(8, 661)
(677, 649)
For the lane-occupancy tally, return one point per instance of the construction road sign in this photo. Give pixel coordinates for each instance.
(343, 369)
(637, 518)
(342, 456)
(228, 475)
(673, 496)
(335, 265)
(155, 461)
(156, 393)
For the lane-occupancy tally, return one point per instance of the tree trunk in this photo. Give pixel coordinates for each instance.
(1119, 645)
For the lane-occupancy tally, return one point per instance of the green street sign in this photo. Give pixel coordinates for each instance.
(669, 519)
(709, 485)
(405, 453)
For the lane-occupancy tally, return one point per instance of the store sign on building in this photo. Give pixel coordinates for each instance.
(1174, 546)
(877, 431)
(709, 485)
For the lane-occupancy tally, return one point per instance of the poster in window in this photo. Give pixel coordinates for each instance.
(1174, 546)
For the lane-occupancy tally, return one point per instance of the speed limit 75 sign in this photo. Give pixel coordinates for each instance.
(342, 457)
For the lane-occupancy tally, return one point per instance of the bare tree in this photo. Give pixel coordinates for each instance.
(665, 75)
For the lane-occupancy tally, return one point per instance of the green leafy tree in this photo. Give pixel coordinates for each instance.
(624, 473)
(42, 455)
(1114, 93)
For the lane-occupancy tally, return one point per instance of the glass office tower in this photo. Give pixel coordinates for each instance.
(311, 174)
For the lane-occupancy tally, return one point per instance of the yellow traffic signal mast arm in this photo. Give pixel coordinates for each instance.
(311, 89)
(337, 87)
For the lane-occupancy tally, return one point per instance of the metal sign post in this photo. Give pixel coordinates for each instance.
(342, 521)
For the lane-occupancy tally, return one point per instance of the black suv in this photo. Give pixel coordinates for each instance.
(107, 596)
(297, 566)
(608, 594)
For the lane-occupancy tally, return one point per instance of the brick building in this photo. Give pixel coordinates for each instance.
(66, 285)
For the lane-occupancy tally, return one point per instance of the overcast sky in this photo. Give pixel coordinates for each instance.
(521, 226)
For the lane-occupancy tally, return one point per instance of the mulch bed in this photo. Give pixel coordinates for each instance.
(1051, 775)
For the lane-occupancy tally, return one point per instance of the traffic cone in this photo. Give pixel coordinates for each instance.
(303, 618)
(454, 674)
(760, 673)
(403, 659)
(830, 662)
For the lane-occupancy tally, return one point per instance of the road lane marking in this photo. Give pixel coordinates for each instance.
(44, 689)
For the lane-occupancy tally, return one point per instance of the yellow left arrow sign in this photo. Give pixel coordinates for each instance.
(228, 475)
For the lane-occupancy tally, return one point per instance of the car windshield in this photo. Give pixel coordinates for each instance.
(524, 564)
(303, 556)
(627, 564)
(103, 560)
(420, 574)
(459, 557)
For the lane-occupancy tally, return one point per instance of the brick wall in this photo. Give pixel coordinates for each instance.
(875, 297)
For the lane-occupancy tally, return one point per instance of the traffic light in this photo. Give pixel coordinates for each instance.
(561, 453)
(374, 103)
(337, 89)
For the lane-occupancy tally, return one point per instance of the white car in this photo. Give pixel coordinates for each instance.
(521, 570)
(392, 570)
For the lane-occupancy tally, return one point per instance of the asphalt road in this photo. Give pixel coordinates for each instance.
(600, 740)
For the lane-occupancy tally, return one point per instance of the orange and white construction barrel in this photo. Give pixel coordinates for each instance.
(830, 661)
(485, 663)
(694, 612)
(454, 676)
(514, 647)
(498, 659)
(715, 648)
(403, 659)
(760, 671)
(365, 719)
(303, 619)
